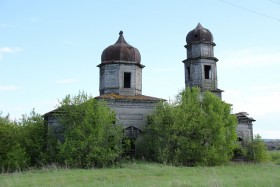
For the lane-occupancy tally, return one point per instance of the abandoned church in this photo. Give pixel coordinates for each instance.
(120, 83)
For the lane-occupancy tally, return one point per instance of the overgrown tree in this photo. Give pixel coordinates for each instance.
(197, 129)
(33, 138)
(12, 155)
(91, 139)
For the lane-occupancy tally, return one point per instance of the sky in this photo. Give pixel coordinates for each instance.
(49, 49)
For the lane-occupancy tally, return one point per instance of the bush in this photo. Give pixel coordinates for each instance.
(195, 130)
(22, 143)
(33, 138)
(257, 150)
(16, 159)
(275, 156)
(91, 137)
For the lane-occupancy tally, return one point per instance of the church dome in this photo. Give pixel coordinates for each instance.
(199, 34)
(121, 51)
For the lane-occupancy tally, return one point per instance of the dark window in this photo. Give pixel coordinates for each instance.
(127, 80)
(189, 73)
(207, 72)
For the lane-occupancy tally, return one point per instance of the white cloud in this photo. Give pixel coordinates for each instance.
(5, 50)
(9, 88)
(259, 101)
(250, 57)
(67, 81)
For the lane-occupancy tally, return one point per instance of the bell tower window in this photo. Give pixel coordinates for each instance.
(189, 73)
(207, 72)
(127, 80)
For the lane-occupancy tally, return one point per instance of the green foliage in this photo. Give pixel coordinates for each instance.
(22, 142)
(257, 150)
(33, 137)
(91, 138)
(240, 152)
(12, 155)
(16, 159)
(275, 156)
(141, 148)
(195, 130)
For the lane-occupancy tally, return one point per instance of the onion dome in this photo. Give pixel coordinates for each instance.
(199, 34)
(121, 51)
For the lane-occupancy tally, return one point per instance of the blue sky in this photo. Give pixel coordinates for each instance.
(49, 49)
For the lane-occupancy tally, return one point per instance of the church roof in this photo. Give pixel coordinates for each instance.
(112, 96)
(121, 51)
(199, 34)
(244, 115)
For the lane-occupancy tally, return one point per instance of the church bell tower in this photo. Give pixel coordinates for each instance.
(200, 65)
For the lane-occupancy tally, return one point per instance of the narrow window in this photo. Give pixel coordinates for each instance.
(189, 73)
(207, 72)
(126, 79)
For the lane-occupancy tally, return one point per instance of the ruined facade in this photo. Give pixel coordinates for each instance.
(244, 127)
(121, 86)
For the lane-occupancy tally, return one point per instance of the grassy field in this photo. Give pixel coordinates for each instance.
(148, 174)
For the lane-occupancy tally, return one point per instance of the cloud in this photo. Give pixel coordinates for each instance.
(5, 50)
(67, 81)
(259, 101)
(9, 88)
(250, 57)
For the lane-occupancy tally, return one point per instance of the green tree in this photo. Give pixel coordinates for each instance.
(91, 138)
(33, 137)
(12, 155)
(197, 129)
(22, 142)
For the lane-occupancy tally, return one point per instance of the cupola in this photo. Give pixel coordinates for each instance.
(199, 34)
(121, 51)
(120, 69)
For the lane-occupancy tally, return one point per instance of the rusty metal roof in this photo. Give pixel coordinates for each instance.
(199, 34)
(120, 51)
(127, 97)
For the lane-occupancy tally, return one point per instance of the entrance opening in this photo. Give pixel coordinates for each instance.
(207, 72)
(127, 80)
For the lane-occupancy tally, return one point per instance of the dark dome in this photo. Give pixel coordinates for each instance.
(121, 51)
(199, 34)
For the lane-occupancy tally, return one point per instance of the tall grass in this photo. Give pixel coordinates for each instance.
(149, 174)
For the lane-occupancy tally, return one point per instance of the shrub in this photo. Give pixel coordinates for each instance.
(275, 156)
(16, 159)
(22, 142)
(257, 150)
(91, 137)
(197, 129)
(33, 138)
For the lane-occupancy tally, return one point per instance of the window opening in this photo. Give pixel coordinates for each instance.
(127, 80)
(207, 72)
(189, 73)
